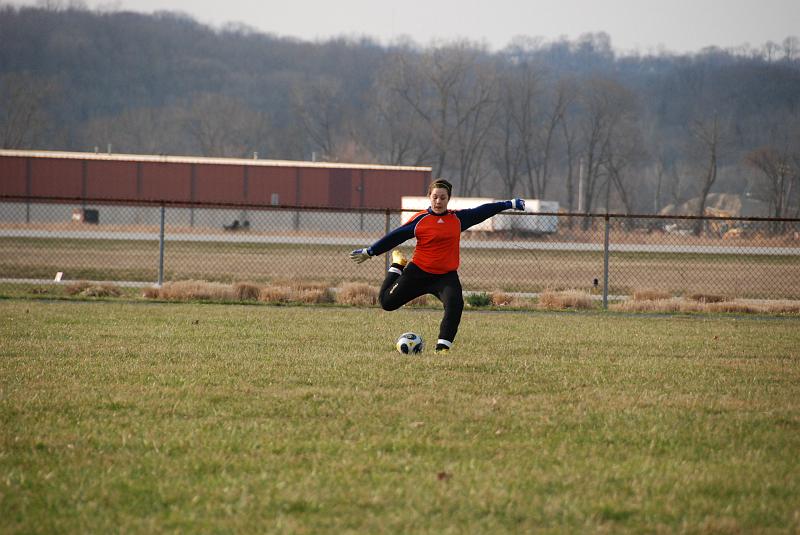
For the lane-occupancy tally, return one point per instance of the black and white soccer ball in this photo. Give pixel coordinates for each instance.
(410, 343)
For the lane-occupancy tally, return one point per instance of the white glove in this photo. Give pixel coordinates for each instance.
(360, 255)
(518, 204)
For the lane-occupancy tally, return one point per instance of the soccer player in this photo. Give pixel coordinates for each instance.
(434, 264)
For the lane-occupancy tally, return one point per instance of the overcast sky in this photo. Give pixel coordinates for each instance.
(646, 25)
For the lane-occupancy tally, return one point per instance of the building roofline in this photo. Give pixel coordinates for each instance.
(162, 158)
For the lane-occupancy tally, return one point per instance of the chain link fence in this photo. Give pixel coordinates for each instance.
(610, 256)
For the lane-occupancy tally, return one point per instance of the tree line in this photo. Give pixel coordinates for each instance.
(562, 120)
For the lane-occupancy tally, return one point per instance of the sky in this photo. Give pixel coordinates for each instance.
(681, 26)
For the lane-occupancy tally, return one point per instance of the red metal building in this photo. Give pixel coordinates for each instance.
(97, 177)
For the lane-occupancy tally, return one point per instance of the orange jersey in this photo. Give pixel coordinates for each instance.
(438, 242)
(438, 235)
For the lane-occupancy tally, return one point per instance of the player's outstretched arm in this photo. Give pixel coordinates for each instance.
(473, 216)
(388, 242)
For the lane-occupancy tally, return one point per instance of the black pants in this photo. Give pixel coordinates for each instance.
(397, 290)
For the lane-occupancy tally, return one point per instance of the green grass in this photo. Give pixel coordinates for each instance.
(152, 417)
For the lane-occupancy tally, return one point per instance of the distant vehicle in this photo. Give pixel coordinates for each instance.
(539, 224)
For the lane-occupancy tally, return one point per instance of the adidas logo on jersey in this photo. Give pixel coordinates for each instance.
(440, 220)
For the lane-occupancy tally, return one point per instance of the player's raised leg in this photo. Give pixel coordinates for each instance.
(400, 285)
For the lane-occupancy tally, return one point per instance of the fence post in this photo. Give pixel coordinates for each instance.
(605, 264)
(387, 256)
(161, 248)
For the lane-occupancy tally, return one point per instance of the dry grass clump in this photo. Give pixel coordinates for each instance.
(88, 289)
(306, 285)
(196, 290)
(74, 288)
(40, 290)
(736, 306)
(357, 294)
(421, 301)
(782, 307)
(275, 294)
(650, 295)
(728, 306)
(649, 305)
(574, 299)
(296, 292)
(314, 295)
(151, 292)
(246, 291)
(754, 306)
(503, 299)
(312, 292)
(707, 298)
(242, 291)
(101, 290)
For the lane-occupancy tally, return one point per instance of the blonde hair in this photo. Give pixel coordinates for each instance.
(441, 183)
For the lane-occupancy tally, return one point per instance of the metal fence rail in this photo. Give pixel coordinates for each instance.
(609, 255)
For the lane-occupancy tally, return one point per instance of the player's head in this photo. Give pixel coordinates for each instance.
(439, 192)
(440, 183)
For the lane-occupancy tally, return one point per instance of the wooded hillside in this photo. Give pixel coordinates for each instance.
(643, 131)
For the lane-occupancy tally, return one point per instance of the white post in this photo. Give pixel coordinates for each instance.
(161, 248)
(580, 186)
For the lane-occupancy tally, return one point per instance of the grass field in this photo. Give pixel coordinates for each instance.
(153, 417)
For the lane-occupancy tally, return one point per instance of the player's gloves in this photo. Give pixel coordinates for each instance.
(518, 204)
(360, 255)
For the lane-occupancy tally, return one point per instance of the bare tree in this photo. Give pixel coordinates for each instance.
(539, 161)
(712, 139)
(531, 111)
(521, 84)
(320, 106)
(572, 157)
(771, 49)
(605, 105)
(23, 109)
(505, 147)
(141, 130)
(394, 135)
(779, 168)
(791, 48)
(223, 126)
(424, 86)
(452, 93)
(474, 106)
(625, 151)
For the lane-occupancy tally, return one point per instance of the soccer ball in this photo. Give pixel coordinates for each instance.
(410, 343)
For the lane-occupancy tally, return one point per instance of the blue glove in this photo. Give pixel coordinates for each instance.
(518, 204)
(360, 255)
